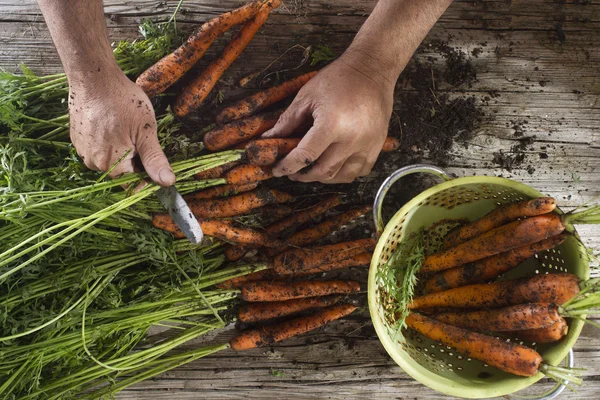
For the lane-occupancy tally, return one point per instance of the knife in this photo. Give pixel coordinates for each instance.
(181, 213)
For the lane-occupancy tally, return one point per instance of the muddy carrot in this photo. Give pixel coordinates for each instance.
(500, 216)
(280, 291)
(220, 191)
(195, 93)
(488, 268)
(549, 334)
(239, 281)
(268, 151)
(354, 261)
(236, 205)
(261, 100)
(245, 174)
(255, 312)
(216, 172)
(310, 235)
(390, 144)
(498, 240)
(227, 136)
(512, 318)
(171, 68)
(278, 332)
(550, 288)
(298, 260)
(509, 357)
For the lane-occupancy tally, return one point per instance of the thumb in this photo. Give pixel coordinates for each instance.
(154, 159)
(291, 119)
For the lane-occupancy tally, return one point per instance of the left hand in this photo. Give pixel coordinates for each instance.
(350, 104)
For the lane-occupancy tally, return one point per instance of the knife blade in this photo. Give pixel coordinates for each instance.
(181, 213)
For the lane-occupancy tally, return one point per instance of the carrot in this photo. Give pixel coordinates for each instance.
(500, 216)
(488, 268)
(280, 291)
(298, 260)
(216, 172)
(552, 333)
(504, 238)
(220, 191)
(319, 231)
(354, 261)
(239, 281)
(237, 205)
(509, 357)
(278, 332)
(171, 68)
(550, 288)
(261, 100)
(390, 144)
(268, 151)
(195, 93)
(245, 174)
(224, 230)
(255, 312)
(512, 318)
(226, 136)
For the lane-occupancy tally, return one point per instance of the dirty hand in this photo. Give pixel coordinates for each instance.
(110, 117)
(350, 105)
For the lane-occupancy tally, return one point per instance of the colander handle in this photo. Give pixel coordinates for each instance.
(385, 186)
(556, 390)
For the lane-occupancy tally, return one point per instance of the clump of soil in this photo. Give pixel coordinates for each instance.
(516, 156)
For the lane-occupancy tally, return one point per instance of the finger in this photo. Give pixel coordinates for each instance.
(153, 159)
(368, 166)
(326, 166)
(349, 171)
(291, 119)
(308, 150)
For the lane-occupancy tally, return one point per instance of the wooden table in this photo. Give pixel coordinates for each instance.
(541, 59)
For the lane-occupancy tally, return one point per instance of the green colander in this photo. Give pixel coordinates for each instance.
(437, 210)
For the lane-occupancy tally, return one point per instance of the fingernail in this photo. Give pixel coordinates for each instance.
(277, 173)
(267, 134)
(166, 176)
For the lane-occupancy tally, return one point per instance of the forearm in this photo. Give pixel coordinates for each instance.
(392, 33)
(79, 33)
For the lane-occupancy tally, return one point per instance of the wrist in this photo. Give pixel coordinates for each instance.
(378, 68)
(91, 77)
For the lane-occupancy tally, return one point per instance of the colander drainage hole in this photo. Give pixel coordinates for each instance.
(484, 375)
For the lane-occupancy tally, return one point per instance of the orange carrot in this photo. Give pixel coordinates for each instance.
(390, 144)
(509, 357)
(488, 268)
(239, 281)
(255, 312)
(297, 260)
(227, 136)
(500, 216)
(195, 93)
(354, 261)
(220, 191)
(216, 172)
(550, 288)
(275, 333)
(498, 240)
(245, 174)
(236, 205)
(549, 334)
(512, 318)
(268, 151)
(280, 291)
(261, 100)
(310, 235)
(171, 68)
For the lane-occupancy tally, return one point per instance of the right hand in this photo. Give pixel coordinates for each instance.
(107, 119)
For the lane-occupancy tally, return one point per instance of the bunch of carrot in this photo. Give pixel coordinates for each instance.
(462, 309)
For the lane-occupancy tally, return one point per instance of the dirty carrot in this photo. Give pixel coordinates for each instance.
(171, 68)
(239, 281)
(220, 191)
(504, 238)
(245, 174)
(509, 357)
(237, 205)
(549, 288)
(280, 291)
(261, 100)
(227, 136)
(512, 318)
(268, 151)
(255, 312)
(390, 144)
(195, 93)
(548, 334)
(216, 172)
(275, 333)
(310, 235)
(500, 216)
(354, 261)
(297, 260)
(488, 268)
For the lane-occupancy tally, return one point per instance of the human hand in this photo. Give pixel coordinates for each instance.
(350, 104)
(110, 117)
